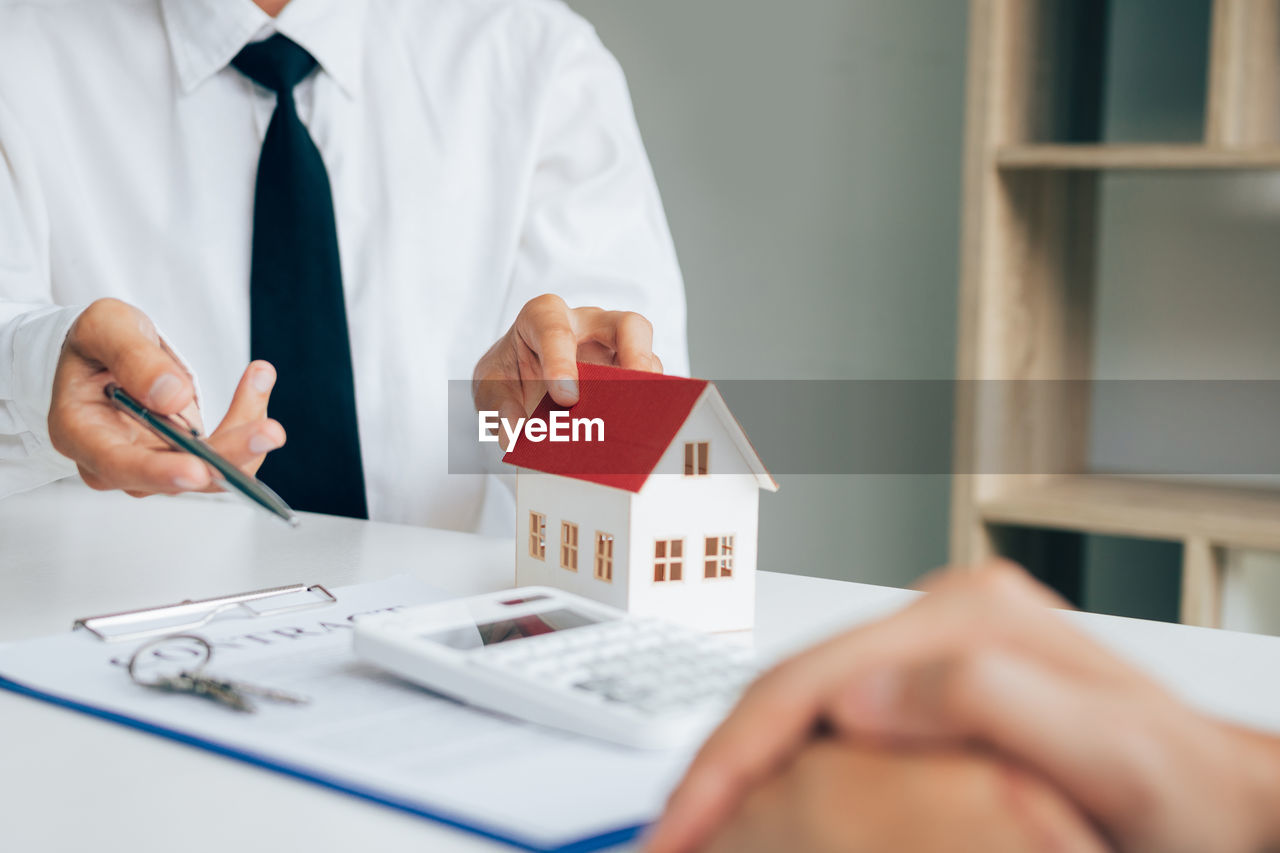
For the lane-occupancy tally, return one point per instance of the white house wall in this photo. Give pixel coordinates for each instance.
(592, 507)
(672, 506)
(703, 424)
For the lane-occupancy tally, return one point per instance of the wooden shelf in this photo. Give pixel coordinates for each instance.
(1134, 157)
(1031, 232)
(1154, 508)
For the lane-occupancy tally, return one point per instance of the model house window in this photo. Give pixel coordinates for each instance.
(537, 535)
(719, 562)
(569, 546)
(668, 560)
(604, 556)
(695, 458)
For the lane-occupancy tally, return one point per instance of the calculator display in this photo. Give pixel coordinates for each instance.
(513, 628)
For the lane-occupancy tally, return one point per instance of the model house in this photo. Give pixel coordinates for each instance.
(659, 516)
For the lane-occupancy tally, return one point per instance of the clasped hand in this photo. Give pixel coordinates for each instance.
(978, 718)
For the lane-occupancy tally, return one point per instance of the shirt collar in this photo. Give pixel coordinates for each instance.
(205, 35)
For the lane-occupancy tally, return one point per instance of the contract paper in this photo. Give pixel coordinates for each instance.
(368, 732)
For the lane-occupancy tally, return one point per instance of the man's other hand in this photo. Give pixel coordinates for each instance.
(112, 341)
(540, 352)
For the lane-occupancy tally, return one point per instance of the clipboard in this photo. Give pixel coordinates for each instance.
(365, 733)
(190, 615)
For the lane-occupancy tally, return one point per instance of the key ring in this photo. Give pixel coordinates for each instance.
(205, 648)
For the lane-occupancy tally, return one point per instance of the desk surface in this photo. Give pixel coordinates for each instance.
(67, 552)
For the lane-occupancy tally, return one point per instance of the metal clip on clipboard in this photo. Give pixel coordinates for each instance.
(192, 614)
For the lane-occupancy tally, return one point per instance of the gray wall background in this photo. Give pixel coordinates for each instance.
(809, 157)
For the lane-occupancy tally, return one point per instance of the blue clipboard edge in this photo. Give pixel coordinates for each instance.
(585, 845)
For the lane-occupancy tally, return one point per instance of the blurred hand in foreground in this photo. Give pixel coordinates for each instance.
(843, 796)
(983, 664)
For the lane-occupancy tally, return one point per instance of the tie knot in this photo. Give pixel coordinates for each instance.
(275, 63)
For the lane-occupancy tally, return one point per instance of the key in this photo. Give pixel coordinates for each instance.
(223, 692)
(232, 694)
(271, 694)
(198, 684)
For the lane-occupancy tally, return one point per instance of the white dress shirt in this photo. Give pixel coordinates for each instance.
(481, 152)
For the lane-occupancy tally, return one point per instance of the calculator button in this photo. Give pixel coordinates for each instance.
(596, 684)
(626, 693)
(635, 667)
(571, 677)
(494, 654)
(576, 659)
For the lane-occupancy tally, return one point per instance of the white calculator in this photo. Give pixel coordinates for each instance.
(561, 660)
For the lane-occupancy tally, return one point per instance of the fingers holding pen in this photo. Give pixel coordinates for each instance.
(246, 435)
(117, 337)
(141, 470)
(112, 341)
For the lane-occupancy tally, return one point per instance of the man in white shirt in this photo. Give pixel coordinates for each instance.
(486, 174)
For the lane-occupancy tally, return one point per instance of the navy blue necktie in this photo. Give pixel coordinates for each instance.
(298, 318)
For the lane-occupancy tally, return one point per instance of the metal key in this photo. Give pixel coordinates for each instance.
(271, 694)
(233, 694)
(195, 681)
(198, 684)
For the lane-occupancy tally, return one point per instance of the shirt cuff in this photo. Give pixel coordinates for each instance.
(37, 346)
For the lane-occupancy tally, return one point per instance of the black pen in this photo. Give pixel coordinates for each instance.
(182, 436)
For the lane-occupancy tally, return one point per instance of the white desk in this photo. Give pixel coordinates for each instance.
(68, 781)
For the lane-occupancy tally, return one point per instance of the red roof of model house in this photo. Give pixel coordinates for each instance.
(643, 412)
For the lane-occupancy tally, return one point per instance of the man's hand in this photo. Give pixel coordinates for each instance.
(540, 352)
(115, 342)
(983, 662)
(850, 797)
